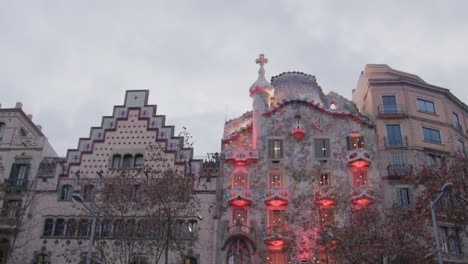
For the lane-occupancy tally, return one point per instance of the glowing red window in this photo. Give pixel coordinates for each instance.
(327, 216)
(276, 257)
(240, 180)
(276, 179)
(360, 177)
(275, 218)
(239, 215)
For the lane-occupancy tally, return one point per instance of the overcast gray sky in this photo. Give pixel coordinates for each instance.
(70, 62)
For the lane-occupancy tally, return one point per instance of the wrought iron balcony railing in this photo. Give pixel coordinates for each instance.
(396, 171)
(392, 110)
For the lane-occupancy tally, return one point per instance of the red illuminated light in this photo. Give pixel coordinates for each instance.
(363, 201)
(276, 202)
(325, 202)
(276, 243)
(240, 202)
(360, 164)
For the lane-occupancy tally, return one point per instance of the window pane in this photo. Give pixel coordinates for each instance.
(116, 161)
(431, 135)
(59, 227)
(275, 218)
(276, 179)
(394, 135)
(275, 148)
(127, 161)
(240, 180)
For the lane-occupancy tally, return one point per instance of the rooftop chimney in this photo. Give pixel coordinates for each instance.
(19, 105)
(30, 116)
(39, 127)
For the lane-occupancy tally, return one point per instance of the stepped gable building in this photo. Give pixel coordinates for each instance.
(417, 124)
(121, 143)
(27, 160)
(296, 141)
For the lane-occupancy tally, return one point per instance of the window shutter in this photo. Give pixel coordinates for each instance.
(327, 147)
(14, 172)
(318, 148)
(270, 148)
(348, 143)
(410, 196)
(397, 196)
(281, 149)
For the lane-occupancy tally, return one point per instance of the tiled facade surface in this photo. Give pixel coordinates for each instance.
(392, 97)
(294, 111)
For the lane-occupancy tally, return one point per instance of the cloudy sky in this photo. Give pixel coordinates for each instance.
(69, 62)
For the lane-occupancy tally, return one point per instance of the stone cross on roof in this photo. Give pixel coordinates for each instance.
(261, 60)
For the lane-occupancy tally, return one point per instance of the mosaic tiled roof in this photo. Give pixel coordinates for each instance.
(238, 124)
(298, 85)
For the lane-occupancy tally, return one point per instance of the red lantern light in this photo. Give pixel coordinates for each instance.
(276, 202)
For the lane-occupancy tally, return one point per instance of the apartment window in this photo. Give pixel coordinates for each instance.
(461, 147)
(360, 177)
(127, 161)
(239, 215)
(394, 135)
(327, 216)
(240, 180)
(324, 179)
(19, 175)
(389, 104)
(431, 135)
(83, 227)
(192, 225)
(136, 192)
(59, 227)
(450, 240)
(88, 193)
(41, 259)
(2, 130)
(456, 121)
(397, 159)
(48, 227)
(10, 208)
(139, 160)
(276, 179)
(404, 196)
(434, 160)
(72, 227)
(322, 148)
(355, 142)
(116, 159)
(106, 228)
(275, 149)
(275, 218)
(190, 260)
(66, 193)
(426, 106)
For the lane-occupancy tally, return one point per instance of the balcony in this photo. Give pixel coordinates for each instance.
(396, 142)
(7, 223)
(240, 230)
(240, 197)
(358, 158)
(241, 157)
(363, 196)
(277, 197)
(398, 171)
(16, 184)
(324, 197)
(392, 111)
(277, 236)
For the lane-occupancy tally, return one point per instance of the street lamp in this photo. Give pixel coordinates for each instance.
(432, 204)
(92, 211)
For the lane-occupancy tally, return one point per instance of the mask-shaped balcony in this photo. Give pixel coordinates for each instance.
(324, 197)
(277, 236)
(358, 158)
(363, 196)
(241, 157)
(240, 197)
(277, 197)
(298, 130)
(240, 230)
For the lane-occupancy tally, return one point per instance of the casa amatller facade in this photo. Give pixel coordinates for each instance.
(296, 145)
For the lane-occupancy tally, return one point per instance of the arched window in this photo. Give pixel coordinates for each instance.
(66, 193)
(72, 226)
(41, 259)
(190, 260)
(88, 193)
(238, 252)
(83, 228)
(116, 159)
(138, 160)
(48, 227)
(127, 161)
(59, 227)
(2, 130)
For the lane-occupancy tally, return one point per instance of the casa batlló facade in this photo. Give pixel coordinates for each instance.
(287, 170)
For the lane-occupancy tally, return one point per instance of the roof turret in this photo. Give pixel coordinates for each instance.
(261, 84)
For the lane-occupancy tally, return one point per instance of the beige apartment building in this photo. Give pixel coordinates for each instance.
(416, 124)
